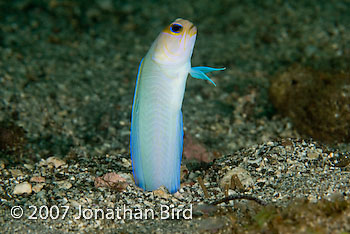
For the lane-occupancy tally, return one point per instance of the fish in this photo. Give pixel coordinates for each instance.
(156, 139)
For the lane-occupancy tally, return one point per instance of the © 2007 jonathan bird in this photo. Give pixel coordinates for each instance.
(156, 139)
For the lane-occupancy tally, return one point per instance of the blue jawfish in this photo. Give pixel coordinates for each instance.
(156, 138)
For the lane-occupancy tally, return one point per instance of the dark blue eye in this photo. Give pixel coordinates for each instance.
(176, 28)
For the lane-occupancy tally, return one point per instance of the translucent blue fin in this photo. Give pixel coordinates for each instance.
(134, 137)
(199, 72)
(175, 185)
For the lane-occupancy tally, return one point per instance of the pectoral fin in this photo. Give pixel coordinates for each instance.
(199, 72)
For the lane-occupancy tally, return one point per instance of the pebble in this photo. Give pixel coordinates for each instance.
(178, 195)
(56, 162)
(22, 188)
(126, 162)
(161, 192)
(242, 174)
(313, 154)
(74, 203)
(52, 162)
(28, 166)
(16, 173)
(64, 184)
(37, 179)
(112, 180)
(38, 187)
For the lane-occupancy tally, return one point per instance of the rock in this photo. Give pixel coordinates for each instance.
(206, 209)
(37, 179)
(211, 224)
(21, 188)
(56, 162)
(64, 184)
(311, 154)
(317, 102)
(52, 162)
(74, 203)
(111, 180)
(194, 150)
(236, 178)
(28, 166)
(128, 177)
(178, 195)
(162, 192)
(126, 162)
(37, 188)
(16, 173)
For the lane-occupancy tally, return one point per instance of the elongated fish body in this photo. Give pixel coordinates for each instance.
(156, 122)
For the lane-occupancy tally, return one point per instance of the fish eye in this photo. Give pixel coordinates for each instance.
(176, 28)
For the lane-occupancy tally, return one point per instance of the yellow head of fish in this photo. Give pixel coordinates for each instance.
(175, 43)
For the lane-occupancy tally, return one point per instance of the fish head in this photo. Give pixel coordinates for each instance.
(175, 43)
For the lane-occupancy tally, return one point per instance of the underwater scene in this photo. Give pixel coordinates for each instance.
(180, 116)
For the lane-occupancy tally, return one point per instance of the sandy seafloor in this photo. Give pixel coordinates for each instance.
(67, 76)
